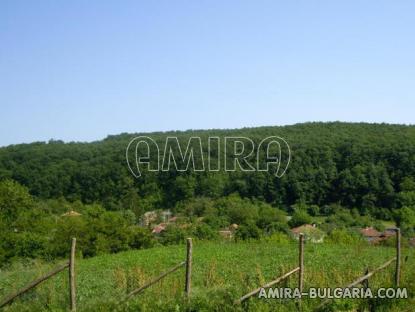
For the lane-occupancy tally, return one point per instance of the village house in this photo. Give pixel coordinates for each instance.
(159, 228)
(148, 218)
(310, 231)
(370, 234)
(71, 213)
(229, 232)
(373, 236)
(162, 226)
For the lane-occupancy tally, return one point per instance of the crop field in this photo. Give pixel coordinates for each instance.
(222, 272)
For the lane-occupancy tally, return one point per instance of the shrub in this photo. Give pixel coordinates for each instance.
(204, 231)
(248, 231)
(279, 238)
(173, 234)
(299, 217)
(343, 236)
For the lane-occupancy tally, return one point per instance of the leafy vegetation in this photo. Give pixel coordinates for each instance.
(341, 175)
(369, 167)
(222, 272)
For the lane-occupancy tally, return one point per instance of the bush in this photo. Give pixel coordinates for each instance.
(269, 215)
(140, 238)
(204, 231)
(173, 235)
(299, 217)
(343, 236)
(276, 227)
(216, 222)
(279, 238)
(248, 231)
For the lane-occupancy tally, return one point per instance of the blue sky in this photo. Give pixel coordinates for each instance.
(80, 70)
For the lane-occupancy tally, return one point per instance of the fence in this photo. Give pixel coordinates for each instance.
(299, 269)
(70, 265)
(72, 275)
(365, 278)
(72, 289)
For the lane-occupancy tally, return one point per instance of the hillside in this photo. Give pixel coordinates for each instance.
(342, 177)
(355, 165)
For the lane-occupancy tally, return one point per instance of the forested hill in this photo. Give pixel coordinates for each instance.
(357, 165)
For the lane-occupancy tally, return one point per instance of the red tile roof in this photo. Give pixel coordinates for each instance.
(159, 228)
(370, 232)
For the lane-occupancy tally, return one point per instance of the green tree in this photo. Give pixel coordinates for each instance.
(14, 199)
(299, 217)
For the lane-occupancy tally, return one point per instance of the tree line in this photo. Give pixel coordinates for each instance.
(347, 170)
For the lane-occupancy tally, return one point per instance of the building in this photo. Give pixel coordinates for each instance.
(71, 213)
(370, 234)
(148, 218)
(159, 228)
(310, 231)
(229, 232)
(162, 226)
(373, 236)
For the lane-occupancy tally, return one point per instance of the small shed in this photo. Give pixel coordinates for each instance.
(310, 231)
(71, 213)
(370, 234)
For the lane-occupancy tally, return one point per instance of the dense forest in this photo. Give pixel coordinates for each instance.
(360, 169)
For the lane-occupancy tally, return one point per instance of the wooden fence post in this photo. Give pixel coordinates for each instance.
(72, 284)
(360, 280)
(398, 257)
(188, 284)
(33, 284)
(366, 281)
(365, 285)
(301, 262)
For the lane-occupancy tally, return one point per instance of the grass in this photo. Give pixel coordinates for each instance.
(222, 272)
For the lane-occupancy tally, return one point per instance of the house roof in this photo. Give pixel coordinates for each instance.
(389, 233)
(159, 228)
(233, 226)
(71, 213)
(370, 232)
(302, 228)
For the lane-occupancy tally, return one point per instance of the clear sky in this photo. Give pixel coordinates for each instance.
(80, 70)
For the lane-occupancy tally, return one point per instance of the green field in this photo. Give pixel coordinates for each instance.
(222, 272)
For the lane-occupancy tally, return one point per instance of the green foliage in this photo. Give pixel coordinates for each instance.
(221, 273)
(313, 210)
(198, 206)
(14, 200)
(405, 219)
(237, 210)
(205, 232)
(344, 236)
(407, 184)
(173, 235)
(299, 217)
(359, 166)
(32, 231)
(278, 238)
(248, 231)
(406, 198)
(268, 215)
(349, 173)
(344, 218)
